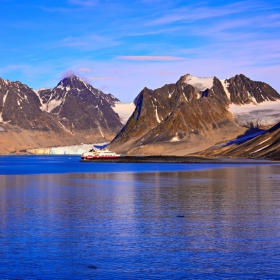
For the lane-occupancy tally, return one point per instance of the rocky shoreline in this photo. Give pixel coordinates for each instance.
(174, 159)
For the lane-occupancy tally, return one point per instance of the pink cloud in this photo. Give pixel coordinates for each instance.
(164, 73)
(86, 70)
(71, 73)
(68, 73)
(151, 58)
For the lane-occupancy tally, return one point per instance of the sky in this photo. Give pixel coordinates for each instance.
(120, 47)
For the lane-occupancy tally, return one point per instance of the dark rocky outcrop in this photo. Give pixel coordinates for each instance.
(244, 91)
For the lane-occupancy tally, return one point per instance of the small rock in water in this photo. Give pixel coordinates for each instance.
(180, 216)
(92, 266)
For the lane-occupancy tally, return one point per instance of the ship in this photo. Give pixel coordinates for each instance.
(98, 154)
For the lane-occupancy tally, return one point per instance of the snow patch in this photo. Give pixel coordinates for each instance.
(37, 90)
(42, 107)
(124, 110)
(158, 120)
(51, 105)
(4, 101)
(185, 96)
(101, 131)
(200, 83)
(4, 97)
(175, 138)
(265, 140)
(248, 108)
(260, 149)
(252, 97)
(170, 94)
(225, 86)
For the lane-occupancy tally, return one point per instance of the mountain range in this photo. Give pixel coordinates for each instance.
(185, 117)
(192, 115)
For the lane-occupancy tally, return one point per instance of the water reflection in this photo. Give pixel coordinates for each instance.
(221, 222)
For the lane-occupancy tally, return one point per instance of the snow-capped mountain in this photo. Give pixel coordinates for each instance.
(71, 113)
(193, 113)
(80, 107)
(253, 104)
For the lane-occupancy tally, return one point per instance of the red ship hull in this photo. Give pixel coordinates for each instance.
(99, 157)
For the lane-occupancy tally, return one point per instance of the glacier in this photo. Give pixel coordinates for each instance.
(67, 150)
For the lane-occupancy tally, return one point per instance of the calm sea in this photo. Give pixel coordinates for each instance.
(62, 219)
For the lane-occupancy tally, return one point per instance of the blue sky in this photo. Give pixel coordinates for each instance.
(122, 46)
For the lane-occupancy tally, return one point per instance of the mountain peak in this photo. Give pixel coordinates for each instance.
(70, 79)
(200, 83)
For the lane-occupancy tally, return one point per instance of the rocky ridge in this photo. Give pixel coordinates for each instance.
(189, 115)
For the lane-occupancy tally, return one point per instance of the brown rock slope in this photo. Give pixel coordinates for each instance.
(177, 119)
(266, 145)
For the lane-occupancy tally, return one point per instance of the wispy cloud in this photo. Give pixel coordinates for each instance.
(27, 70)
(90, 42)
(150, 58)
(59, 9)
(85, 3)
(163, 73)
(108, 78)
(200, 11)
(151, 42)
(86, 70)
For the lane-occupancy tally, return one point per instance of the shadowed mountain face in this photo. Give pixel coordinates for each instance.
(266, 145)
(79, 106)
(188, 116)
(20, 106)
(72, 113)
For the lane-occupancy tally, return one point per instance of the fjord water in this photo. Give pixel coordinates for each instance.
(62, 219)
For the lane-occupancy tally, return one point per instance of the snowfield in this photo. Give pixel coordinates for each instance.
(124, 110)
(263, 115)
(200, 83)
(67, 150)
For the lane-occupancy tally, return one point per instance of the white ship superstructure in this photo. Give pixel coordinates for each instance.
(97, 153)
